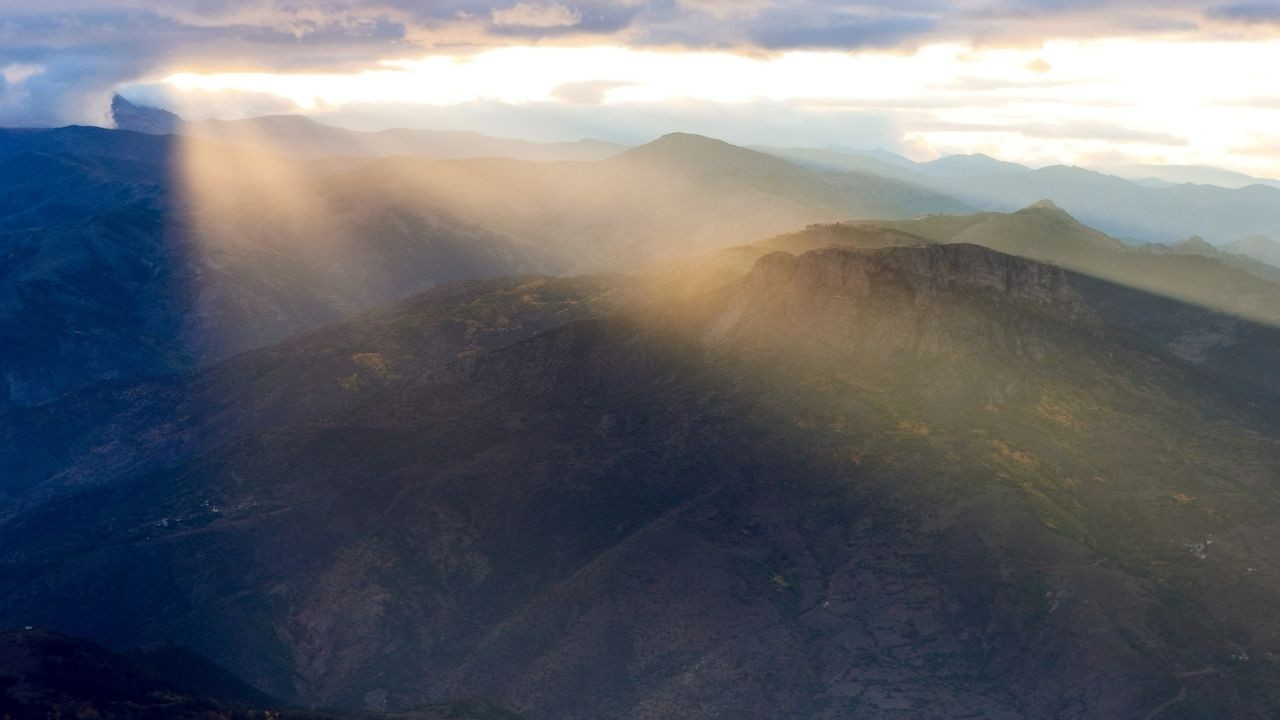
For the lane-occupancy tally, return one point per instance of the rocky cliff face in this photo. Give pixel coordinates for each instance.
(943, 309)
(143, 119)
(918, 274)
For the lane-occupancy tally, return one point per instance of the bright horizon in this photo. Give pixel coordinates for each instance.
(1070, 102)
(1039, 83)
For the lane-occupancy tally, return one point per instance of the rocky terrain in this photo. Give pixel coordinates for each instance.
(849, 482)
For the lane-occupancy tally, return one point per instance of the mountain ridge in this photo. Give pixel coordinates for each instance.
(301, 135)
(807, 461)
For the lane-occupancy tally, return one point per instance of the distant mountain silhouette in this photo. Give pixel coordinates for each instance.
(298, 135)
(1194, 174)
(1258, 247)
(1156, 211)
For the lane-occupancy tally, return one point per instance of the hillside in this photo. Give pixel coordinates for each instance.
(853, 481)
(46, 675)
(119, 266)
(132, 255)
(1213, 311)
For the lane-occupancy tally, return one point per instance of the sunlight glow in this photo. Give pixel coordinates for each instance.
(1063, 102)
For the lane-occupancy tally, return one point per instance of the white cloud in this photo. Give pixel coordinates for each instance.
(529, 15)
(18, 72)
(1157, 101)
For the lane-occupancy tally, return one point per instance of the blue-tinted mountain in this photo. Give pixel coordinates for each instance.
(975, 165)
(1258, 247)
(1135, 211)
(1194, 174)
(114, 266)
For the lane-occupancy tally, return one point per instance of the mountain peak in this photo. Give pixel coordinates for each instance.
(1196, 244)
(681, 142)
(687, 151)
(1045, 204)
(143, 118)
(971, 165)
(1048, 208)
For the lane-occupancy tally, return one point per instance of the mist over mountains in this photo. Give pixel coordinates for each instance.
(1219, 206)
(415, 424)
(1138, 203)
(197, 250)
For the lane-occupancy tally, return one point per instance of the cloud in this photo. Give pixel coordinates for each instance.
(86, 48)
(89, 47)
(845, 33)
(768, 123)
(529, 15)
(590, 92)
(1249, 13)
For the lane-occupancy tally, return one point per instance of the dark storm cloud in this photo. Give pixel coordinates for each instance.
(85, 48)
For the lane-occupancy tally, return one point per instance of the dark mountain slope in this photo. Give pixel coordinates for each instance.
(853, 483)
(149, 256)
(90, 300)
(314, 375)
(48, 676)
(49, 177)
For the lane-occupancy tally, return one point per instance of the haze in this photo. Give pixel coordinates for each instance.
(1032, 82)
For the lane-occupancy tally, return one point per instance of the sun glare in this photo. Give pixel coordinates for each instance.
(1063, 102)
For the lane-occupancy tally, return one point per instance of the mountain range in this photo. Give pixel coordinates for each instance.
(298, 135)
(576, 500)
(1138, 203)
(1136, 212)
(189, 251)
(691, 430)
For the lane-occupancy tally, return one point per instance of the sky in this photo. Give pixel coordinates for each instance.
(1036, 81)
